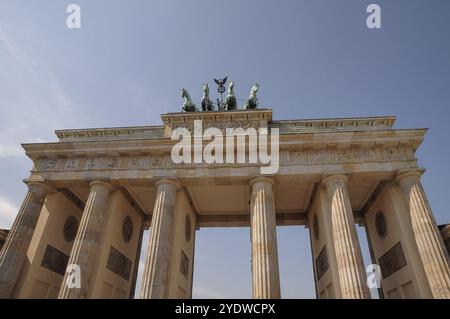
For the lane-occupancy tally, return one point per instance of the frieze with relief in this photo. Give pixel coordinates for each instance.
(307, 157)
(220, 125)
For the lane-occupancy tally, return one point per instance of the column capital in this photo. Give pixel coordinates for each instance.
(45, 187)
(262, 179)
(102, 183)
(409, 173)
(326, 178)
(172, 182)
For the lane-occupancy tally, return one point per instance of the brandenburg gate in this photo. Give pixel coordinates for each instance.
(78, 233)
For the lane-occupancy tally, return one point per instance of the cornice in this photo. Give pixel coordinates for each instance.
(354, 123)
(250, 118)
(110, 133)
(318, 140)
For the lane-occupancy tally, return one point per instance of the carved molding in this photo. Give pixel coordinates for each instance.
(220, 125)
(322, 264)
(55, 260)
(392, 261)
(184, 265)
(119, 264)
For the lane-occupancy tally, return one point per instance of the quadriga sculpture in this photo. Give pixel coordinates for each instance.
(207, 105)
(252, 102)
(188, 105)
(230, 101)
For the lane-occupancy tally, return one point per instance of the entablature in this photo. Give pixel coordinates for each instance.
(292, 142)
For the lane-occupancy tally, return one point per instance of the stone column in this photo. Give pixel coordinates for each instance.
(430, 245)
(155, 282)
(85, 248)
(352, 277)
(265, 270)
(14, 251)
(445, 233)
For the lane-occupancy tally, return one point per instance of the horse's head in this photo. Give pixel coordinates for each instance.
(230, 87)
(205, 89)
(183, 92)
(255, 88)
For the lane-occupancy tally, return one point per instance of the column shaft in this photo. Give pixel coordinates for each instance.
(84, 252)
(155, 282)
(265, 269)
(14, 251)
(352, 278)
(430, 245)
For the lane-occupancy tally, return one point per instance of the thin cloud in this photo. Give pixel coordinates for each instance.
(16, 52)
(8, 212)
(33, 103)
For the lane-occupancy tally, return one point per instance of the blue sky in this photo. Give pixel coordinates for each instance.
(313, 59)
